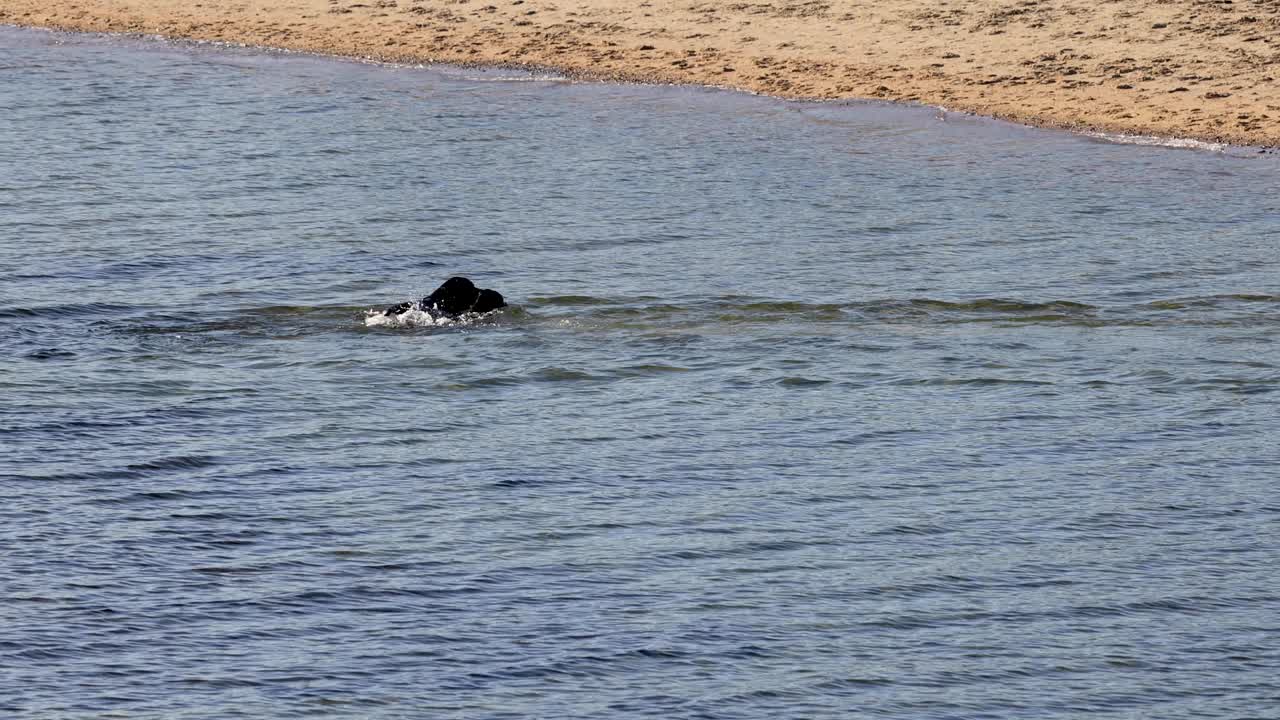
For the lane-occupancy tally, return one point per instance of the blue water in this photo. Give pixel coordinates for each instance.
(800, 410)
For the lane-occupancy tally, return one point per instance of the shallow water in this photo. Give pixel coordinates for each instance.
(800, 410)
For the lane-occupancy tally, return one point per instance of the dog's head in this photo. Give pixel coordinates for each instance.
(456, 296)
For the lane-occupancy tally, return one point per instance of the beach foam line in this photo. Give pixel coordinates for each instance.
(1154, 141)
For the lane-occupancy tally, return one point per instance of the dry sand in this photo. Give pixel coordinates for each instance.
(1204, 69)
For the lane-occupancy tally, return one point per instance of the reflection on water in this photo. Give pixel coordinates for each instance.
(799, 410)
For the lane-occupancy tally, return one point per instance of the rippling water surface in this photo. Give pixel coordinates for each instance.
(800, 410)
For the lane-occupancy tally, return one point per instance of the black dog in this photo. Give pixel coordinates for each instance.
(456, 296)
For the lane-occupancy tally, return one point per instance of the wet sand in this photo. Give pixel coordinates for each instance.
(1202, 69)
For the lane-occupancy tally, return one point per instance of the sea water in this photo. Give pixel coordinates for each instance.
(798, 410)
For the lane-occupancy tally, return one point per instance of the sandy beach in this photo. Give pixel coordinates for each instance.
(1203, 69)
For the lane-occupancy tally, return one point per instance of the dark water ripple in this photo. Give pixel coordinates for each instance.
(800, 410)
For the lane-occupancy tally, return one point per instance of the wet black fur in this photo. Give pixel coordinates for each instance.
(456, 296)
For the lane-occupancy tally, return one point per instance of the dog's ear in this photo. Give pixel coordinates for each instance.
(488, 301)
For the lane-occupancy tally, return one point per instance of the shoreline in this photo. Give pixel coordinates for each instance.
(552, 74)
(1218, 86)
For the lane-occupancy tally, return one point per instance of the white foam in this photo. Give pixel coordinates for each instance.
(512, 77)
(420, 318)
(1152, 140)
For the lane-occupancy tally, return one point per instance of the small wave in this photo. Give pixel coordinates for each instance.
(178, 462)
(55, 311)
(134, 471)
(802, 382)
(1003, 305)
(479, 383)
(972, 381)
(1155, 141)
(80, 427)
(547, 77)
(51, 353)
(1211, 301)
(649, 369)
(562, 374)
(571, 300)
(273, 321)
(908, 529)
(747, 549)
(157, 496)
(736, 310)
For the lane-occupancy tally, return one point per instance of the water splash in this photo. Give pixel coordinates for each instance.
(415, 318)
